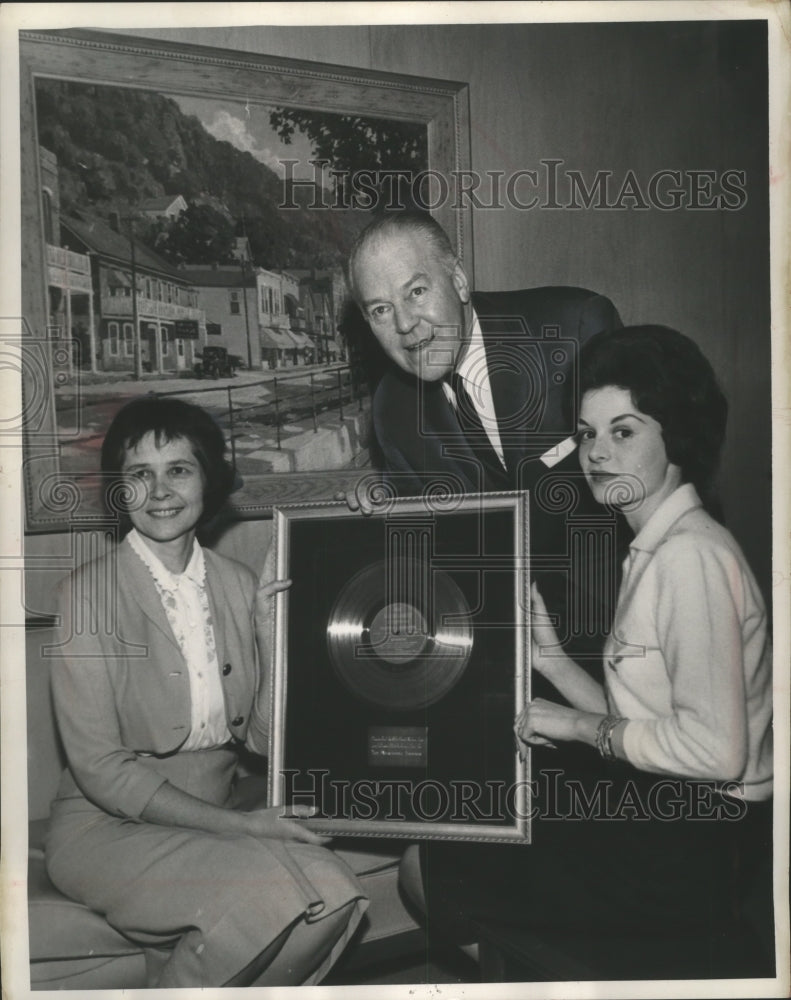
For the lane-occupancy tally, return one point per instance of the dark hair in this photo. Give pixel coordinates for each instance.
(407, 221)
(669, 379)
(167, 419)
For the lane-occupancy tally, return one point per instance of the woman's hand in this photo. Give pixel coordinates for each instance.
(546, 647)
(355, 502)
(549, 659)
(275, 824)
(171, 806)
(267, 590)
(541, 722)
(264, 594)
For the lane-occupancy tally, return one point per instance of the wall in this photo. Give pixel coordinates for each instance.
(239, 330)
(640, 97)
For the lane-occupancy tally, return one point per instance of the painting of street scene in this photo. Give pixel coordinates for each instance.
(194, 247)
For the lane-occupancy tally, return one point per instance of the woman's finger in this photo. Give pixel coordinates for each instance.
(273, 587)
(349, 498)
(297, 830)
(298, 811)
(523, 716)
(541, 741)
(524, 727)
(538, 605)
(289, 830)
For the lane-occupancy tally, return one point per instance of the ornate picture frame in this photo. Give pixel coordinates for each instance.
(401, 660)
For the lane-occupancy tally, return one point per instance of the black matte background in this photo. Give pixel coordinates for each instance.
(470, 734)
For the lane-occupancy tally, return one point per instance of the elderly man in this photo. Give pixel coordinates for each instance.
(472, 401)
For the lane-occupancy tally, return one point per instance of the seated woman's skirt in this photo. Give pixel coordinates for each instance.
(220, 900)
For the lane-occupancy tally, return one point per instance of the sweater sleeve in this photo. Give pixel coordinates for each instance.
(109, 774)
(699, 605)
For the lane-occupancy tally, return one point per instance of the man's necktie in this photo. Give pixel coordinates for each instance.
(496, 477)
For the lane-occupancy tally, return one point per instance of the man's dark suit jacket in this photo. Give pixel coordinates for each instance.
(531, 338)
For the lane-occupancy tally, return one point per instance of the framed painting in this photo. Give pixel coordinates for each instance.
(163, 251)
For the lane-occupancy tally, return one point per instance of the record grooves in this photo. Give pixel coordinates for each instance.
(399, 634)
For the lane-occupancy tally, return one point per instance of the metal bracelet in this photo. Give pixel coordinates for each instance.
(604, 736)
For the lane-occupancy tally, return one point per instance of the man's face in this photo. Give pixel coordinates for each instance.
(413, 304)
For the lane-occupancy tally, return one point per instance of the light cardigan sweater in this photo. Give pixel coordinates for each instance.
(688, 661)
(186, 605)
(121, 685)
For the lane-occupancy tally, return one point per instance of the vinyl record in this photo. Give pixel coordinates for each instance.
(399, 634)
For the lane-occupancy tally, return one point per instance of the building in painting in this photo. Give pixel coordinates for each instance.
(284, 341)
(322, 293)
(93, 265)
(123, 308)
(165, 308)
(228, 297)
(167, 206)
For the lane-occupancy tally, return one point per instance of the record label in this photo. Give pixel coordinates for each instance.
(399, 634)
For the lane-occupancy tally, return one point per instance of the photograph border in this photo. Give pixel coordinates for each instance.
(176, 18)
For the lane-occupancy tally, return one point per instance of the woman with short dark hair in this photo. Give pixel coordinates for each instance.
(655, 838)
(167, 418)
(687, 680)
(158, 689)
(671, 380)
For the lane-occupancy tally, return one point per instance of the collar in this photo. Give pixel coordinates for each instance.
(195, 569)
(681, 501)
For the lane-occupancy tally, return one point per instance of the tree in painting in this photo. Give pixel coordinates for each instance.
(354, 143)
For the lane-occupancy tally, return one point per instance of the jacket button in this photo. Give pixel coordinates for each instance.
(226, 669)
(238, 720)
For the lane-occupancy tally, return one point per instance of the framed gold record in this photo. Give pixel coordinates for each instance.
(400, 663)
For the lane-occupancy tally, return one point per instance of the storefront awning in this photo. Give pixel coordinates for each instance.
(274, 339)
(301, 339)
(290, 337)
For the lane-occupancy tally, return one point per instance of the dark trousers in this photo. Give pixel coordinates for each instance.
(627, 868)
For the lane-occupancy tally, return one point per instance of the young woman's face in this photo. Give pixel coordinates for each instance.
(623, 455)
(174, 486)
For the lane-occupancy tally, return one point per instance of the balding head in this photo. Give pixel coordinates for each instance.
(420, 225)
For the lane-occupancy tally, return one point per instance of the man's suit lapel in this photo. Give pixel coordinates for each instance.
(511, 393)
(445, 447)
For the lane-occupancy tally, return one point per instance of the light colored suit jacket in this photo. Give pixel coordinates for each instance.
(120, 684)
